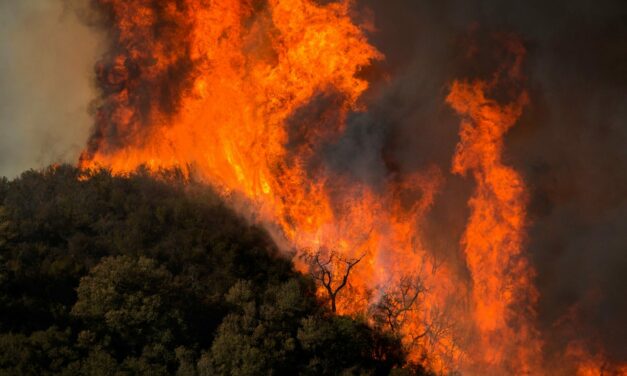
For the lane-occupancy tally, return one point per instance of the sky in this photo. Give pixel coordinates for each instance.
(46, 67)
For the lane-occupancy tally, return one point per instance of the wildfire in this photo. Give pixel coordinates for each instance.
(244, 94)
(493, 241)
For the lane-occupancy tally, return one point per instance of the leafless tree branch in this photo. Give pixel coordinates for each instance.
(323, 271)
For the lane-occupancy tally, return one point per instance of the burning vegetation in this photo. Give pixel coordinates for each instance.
(246, 96)
(149, 274)
(273, 103)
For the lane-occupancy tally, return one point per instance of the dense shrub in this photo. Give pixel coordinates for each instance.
(154, 275)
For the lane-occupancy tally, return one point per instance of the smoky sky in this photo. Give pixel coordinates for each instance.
(570, 144)
(46, 62)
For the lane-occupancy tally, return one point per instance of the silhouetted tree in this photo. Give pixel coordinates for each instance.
(331, 272)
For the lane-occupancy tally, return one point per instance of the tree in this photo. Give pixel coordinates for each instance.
(401, 306)
(259, 337)
(398, 303)
(343, 345)
(42, 352)
(331, 272)
(131, 304)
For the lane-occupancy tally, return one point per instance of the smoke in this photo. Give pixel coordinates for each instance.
(46, 62)
(573, 150)
(570, 144)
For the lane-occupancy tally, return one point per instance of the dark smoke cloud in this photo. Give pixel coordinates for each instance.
(571, 143)
(46, 64)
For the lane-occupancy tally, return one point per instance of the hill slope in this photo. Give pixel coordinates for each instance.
(142, 275)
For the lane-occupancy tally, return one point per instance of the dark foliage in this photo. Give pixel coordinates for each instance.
(154, 275)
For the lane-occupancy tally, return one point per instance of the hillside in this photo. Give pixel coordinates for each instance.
(140, 275)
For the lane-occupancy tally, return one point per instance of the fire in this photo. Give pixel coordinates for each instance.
(244, 94)
(588, 364)
(218, 88)
(494, 237)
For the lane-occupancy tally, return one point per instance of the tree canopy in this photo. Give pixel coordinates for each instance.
(151, 274)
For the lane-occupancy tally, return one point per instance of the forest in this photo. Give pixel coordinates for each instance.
(153, 274)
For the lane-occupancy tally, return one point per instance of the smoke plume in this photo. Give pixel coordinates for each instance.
(46, 63)
(569, 144)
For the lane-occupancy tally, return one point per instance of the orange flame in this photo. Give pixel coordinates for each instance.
(254, 68)
(588, 364)
(218, 88)
(493, 241)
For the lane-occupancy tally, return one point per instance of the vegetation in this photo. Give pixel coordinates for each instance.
(140, 275)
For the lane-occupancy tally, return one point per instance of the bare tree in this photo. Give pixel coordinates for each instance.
(402, 304)
(332, 272)
(396, 304)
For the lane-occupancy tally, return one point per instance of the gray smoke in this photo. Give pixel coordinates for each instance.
(46, 62)
(570, 145)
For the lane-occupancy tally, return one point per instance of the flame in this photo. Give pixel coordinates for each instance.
(494, 236)
(592, 364)
(243, 94)
(219, 95)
